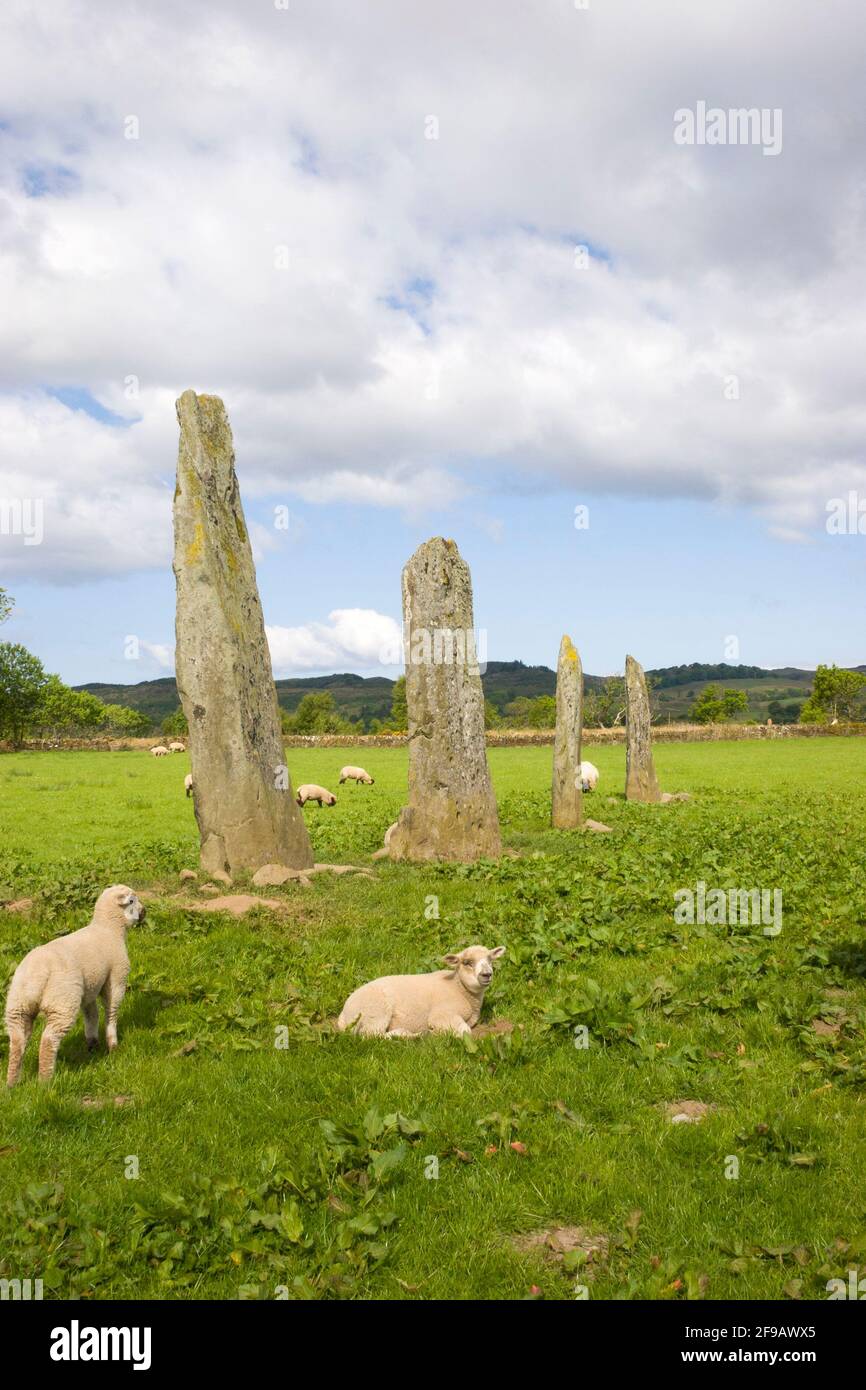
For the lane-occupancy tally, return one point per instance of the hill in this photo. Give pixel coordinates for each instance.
(369, 697)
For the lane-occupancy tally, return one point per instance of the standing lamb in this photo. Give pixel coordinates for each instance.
(177, 748)
(588, 774)
(408, 1006)
(187, 782)
(72, 973)
(159, 751)
(356, 774)
(310, 792)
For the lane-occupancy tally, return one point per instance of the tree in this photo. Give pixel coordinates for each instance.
(492, 717)
(317, 714)
(61, 710)
(7, 603)
(120, 719)
(836, 694)
(399, 709)
(21, 680)
(175, 724)
(714, 706)
(605, 706)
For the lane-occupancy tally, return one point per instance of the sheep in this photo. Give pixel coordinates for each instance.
(159, 751)
(177, 748)
(356, 774)
(588, 774)
(408, 1006)
(71, 973)
(187, 782)
(310, 792)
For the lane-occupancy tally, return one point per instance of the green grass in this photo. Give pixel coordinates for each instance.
(305, 1166)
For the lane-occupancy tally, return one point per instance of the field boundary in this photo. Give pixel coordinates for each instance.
(496, 738)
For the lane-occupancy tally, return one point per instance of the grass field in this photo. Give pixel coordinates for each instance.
(309, 1167)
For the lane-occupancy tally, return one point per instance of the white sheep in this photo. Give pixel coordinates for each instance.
(159, 751)
(588, 774)
(356, 774)
(310, 792)
(187, 782)
(177, 748)
(408, 1006)
(71, 973)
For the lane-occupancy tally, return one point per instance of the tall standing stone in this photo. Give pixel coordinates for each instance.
(641, 783)
(452, 809)
(567, 794)
(246, 813)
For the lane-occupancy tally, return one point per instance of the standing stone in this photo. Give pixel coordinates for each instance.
(246, 812)
(567, 793)
(641, 783)
(452, 810)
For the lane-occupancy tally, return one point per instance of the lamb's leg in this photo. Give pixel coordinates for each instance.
(91, 1025)
(112, 996)
(57, 1024)
(19, 1029)
(448, 1023)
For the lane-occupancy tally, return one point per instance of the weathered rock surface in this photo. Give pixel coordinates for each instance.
(597, 825)
(244, 805)
(641, 783)
(451, 812)
(567, 799)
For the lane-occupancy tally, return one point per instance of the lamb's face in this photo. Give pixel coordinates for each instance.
(474, 967)
(121, 904)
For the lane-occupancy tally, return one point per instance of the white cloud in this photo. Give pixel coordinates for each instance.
(430, 335)
(352, 637)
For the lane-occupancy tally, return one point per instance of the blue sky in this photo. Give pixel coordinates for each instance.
(365, 234)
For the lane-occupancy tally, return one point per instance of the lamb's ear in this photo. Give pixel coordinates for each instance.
(451, 959)
(496, 952)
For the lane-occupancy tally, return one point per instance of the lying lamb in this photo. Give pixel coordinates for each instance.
(588, 774)
(187, 782)
(310, 792)
(407, 1006)
(159, 751)
(71, 973)
(356, 774)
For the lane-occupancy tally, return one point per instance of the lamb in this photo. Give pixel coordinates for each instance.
(159, 751)
(177, 748)
(408, 1006)
(310, 792)
(71, 973)
(588, 774)
(356, 774)
(187, 782)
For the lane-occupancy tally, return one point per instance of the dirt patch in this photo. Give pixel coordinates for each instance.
(556, 1241)
(681, 1112)
(22, 905)
(100, 1102)
(499, 1025)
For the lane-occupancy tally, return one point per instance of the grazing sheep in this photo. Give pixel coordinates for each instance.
(588, 773)
(187, 782)
(71, 973)
(407, 1006)
(159, 751)
(310, 792)
(356, 774)
(177, 748)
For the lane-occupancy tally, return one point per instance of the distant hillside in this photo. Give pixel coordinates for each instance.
(369, 697)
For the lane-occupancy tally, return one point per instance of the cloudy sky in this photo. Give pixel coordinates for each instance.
(452, 273)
